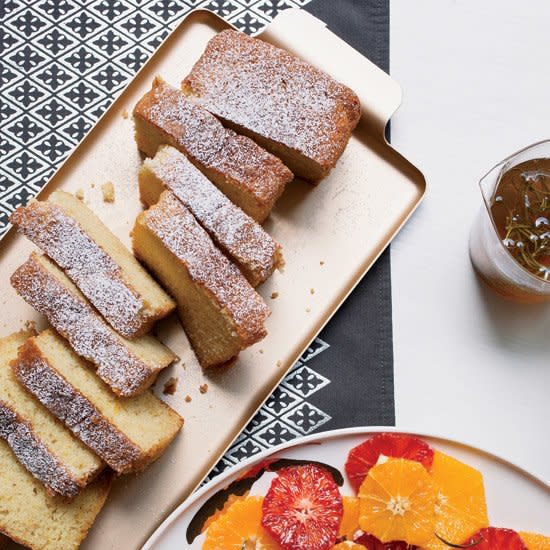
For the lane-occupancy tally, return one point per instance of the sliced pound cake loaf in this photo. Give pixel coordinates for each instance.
(39, 440)
(219, 309)
(129, 367)
(294, 110)
(250, 176)
(240, 237)
(96, 261)
(31, 516)
(128, 434)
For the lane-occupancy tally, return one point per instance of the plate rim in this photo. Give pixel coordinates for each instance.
(320, 438)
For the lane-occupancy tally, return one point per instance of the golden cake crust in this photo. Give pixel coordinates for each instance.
(238, 162)
(276, 98)
(253, 250)
(70, 314)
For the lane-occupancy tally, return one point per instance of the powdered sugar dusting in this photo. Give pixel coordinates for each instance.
(88, 334)
(75, 410)
(96, 274)
(243, 239)
(202, 137)
(274, 94)
(176, 227)
(34, 455)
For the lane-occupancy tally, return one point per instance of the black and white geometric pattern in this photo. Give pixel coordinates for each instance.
(287, 414)
(64, 61)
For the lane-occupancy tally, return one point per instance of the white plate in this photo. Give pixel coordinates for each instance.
(515, 499)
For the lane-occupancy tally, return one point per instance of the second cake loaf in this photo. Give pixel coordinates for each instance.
(219, 309)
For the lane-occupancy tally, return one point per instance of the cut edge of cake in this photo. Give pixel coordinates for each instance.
(126, 434)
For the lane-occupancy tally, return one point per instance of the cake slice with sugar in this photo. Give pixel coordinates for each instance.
(39, 441)
(241, 238)
(219, 309)
(129, 367)
(294, 110)
(30, 516)
(128, 434)
(250, 176)
(96, 261)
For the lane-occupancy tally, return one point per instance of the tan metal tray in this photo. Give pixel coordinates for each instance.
(331, 235)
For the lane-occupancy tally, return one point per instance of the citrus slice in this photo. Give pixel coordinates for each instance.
(348, 545)
(370, 542)
(240, 528)
(303, 508)
(350, 520)
(461, 509)
(534, 541)
(397, 502)
(493, 538)
(378, 448)
(227, 504)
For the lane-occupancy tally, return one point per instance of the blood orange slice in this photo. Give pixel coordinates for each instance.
(493, 538)
(381, 446)
(370, 542)
(303, 509)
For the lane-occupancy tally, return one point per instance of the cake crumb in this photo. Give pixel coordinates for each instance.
(308, 309)
(170, 386)
(188, 399)
(108, 191)
(125, 113)
(321, 262)
(261, 351)
(279, 363)
(274, 295)
(203, 388)
(312, 291)
(79, 194)
(92, 185)
(30, 326)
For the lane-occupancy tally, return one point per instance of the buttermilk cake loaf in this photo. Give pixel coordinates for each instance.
(292, 109)
(128, 434)
(39, 441)
(219, 309)
(236, 234)
(250, 176)
(95, 260)
(30, 516)
(129, 367)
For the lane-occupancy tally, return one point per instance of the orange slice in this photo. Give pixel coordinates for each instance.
(397, 502)
(350, 519)
(240, 528)
(461, 509)
(348, 545)
(231, 500)
(534, 541)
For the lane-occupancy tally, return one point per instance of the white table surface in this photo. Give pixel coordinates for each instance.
(468, 364)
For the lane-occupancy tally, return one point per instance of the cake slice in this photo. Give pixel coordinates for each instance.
(128, 434)
(30, 516)
(219, 309)
(39, 441)
(95, 260)
(250, 176)
(292, 109)
(241, 238)
(129, 367)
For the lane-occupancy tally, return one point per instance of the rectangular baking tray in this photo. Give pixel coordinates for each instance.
(331, 235)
